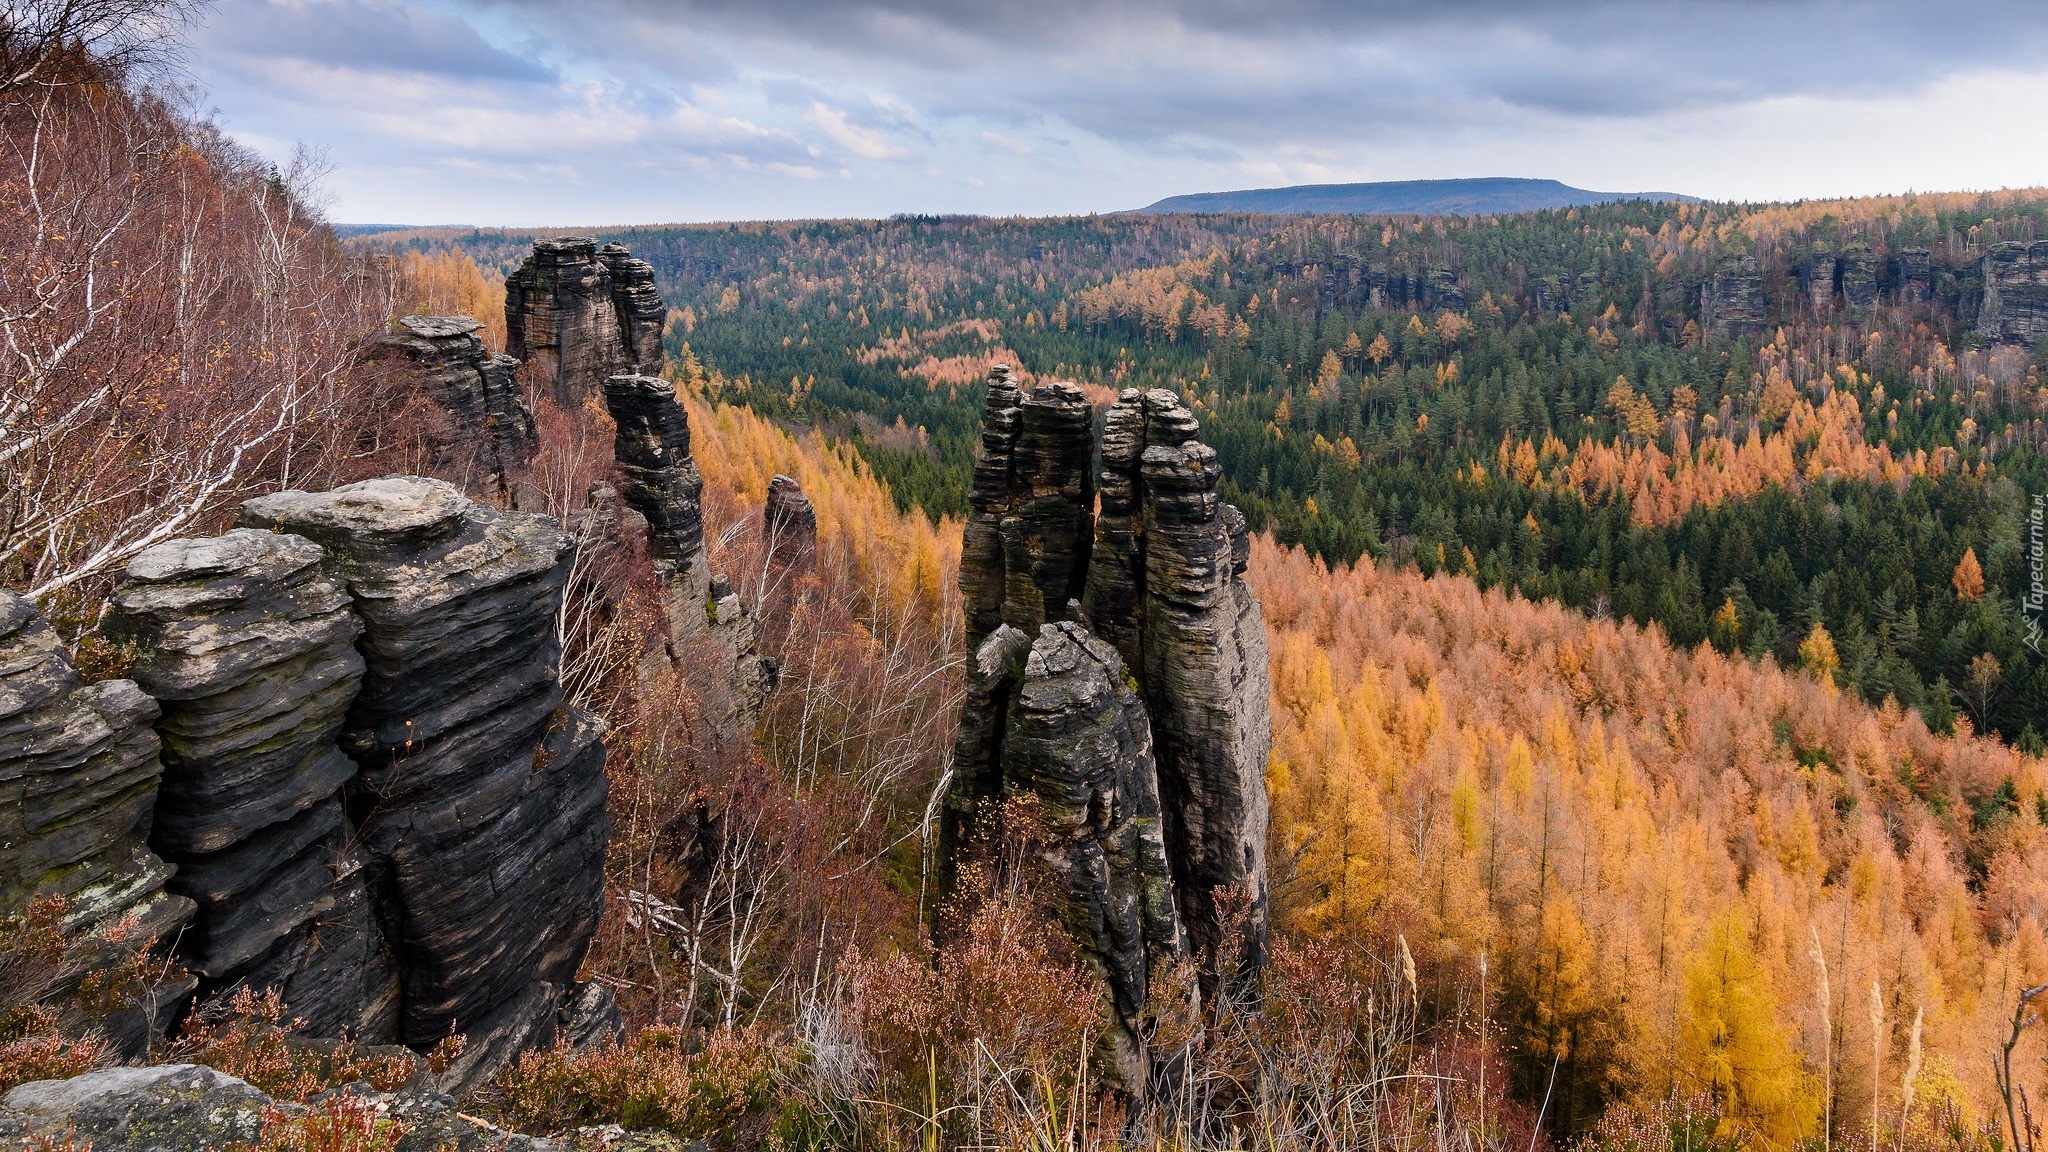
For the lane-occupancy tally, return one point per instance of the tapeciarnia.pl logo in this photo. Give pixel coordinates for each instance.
(2033, 603)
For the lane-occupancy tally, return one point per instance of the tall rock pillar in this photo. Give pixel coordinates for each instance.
(480, 801)
(248, 644)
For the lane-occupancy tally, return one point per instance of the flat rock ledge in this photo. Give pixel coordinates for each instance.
(188, 1107)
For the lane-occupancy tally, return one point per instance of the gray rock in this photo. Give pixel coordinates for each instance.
(789, 525)
(2015, 308)
(79, 771)
(480, 802)
(1167, 771)
(187, 1107)
(638, 308)
(1030, 525)
(576, 316)
(249, 645)
(1734, 299)
(491, 429)
(1076, 738)
(652, 446)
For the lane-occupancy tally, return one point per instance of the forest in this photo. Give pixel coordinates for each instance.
(1656, 745)
(1690, 415)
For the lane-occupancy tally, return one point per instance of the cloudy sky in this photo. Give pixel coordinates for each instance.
(612, 111)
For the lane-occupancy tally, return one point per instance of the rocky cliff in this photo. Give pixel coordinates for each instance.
(346, 736)
(652, 446)
(1117, 674)
(79, 771)
(491, 429)
(576, 315)
(479, 798)
(2015, 308)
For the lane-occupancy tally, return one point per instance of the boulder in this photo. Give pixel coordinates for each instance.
(175, 1107)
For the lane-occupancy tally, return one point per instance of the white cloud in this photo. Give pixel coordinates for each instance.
(865, 143)
(1012, 146)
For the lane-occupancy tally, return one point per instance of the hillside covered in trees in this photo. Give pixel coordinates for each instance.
(1751, 425)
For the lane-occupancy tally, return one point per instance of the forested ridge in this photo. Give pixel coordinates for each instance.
(1737, 421)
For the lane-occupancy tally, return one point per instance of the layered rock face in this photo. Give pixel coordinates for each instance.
(480, 392)
(576, 315)
(356, 760)
(1735, 298)
(79, 772)
(480, 798)
(1030, 526)
(2015, 308)
(789, 524)
(1146, 626)
(248, 644)
(1054, 720)
(652, 446)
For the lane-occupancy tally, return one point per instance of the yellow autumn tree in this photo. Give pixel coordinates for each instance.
(1969, 576)
(1734, 1044)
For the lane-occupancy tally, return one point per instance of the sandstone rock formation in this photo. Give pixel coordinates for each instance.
(2015, 308)
(248, 644)
(1054, 720)
(190, 1106)
(652, 445)
(492, 428)
(78, 784)
(1148, 625)
(1030, 526)
(1861, 274)
(577, 315)
(360, 766)
(1734, 298)
(789, 524)
(480, 798)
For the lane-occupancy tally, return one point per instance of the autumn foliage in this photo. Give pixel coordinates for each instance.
(1688, 873)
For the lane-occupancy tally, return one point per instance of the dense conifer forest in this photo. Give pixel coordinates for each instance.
(1777, 429)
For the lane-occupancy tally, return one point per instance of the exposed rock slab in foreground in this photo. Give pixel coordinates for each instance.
(190, 1106)
(481, 799)
(248, 644)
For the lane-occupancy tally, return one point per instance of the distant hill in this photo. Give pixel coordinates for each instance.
(1473, 197)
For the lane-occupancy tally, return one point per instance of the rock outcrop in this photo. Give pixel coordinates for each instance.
(1055, 720)
(789, 524)
(1733, 303)
(1030, 527)
(248, 644)
(491, 427)
(79, 771)
(1148, 625)
(2015, 308)
(191, 1106)
(652, 445)
(480, 798)
(576, 315)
